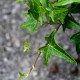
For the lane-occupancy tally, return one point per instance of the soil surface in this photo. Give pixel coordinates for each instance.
(12, 59)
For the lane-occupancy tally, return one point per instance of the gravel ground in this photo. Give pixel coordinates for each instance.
(12, 59)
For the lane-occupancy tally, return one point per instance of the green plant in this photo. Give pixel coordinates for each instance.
(56, 12)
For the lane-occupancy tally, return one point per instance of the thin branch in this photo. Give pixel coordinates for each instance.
(33, 65)
(45, 22)
(33, 50)
(70, 14)
(34, 62)
(58, 27)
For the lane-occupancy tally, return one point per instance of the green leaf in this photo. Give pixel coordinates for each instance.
(65, 2)
(75, 38)
(26, 46)
(21, 75)
(48, 12)
(75, 8)
(16, 1)
(70, 23)
(31, 23)
(35, 12)
(54, 49)
(34, 8)
(78, 48)
(41, 11)
(57, 14)
(24, 14)
(44, 3)
(47, 16)
(28, 2)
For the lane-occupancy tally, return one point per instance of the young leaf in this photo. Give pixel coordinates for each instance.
(54, 49)
(30, 23)
(75, 38)
(70, 23)
(16, 1)
(65, 2)
(21, 75)
(26, 46)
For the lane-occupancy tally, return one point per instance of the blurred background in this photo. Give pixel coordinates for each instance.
(12, 59)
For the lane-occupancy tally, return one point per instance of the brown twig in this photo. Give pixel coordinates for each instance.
(33, 65)
(70, 14)
(58, 27)
(45, 22)
(35, 62)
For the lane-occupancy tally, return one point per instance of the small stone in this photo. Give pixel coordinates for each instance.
(61, 79)
(34, 73)
(0, 63)
(13, 21)
(16, 42)
(9, 44)
(15, 9)
(7, 36)
(66, 47)
(53, 68)
(5, 17)
(11, 77)
(75, 71)
(5, 59)
(76, 18)
(2, 71)
(6, 11)
(9, 49)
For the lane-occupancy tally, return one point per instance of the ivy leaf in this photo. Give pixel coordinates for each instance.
(34, 8)
(48, 12)
(65, 2)
(24, 14)
(41, 11)
(57, 14)
(75, 8)
(21, 75)
(26, 46)
(54, 49)
(35, 13)
(47, 16)
(75, 38)
(31, 23)
(44, 3)
(16, 1)
(70, 23)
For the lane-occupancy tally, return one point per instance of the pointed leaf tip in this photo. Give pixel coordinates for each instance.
(54, 49)
(31, 23)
